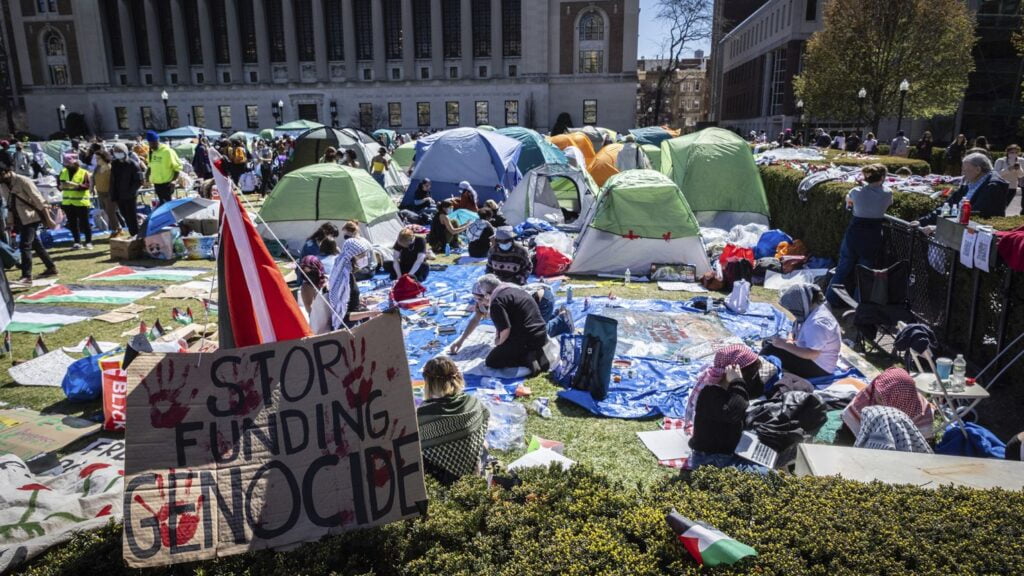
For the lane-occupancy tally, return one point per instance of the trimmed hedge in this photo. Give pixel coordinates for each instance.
(822, 220)
(578, 523)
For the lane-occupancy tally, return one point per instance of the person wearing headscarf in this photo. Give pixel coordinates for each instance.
(343, 293)
(719, 411)
(813, 351)
(467, 197)
(452, 424)
(893, 388)
(76, 200)
(887, 428)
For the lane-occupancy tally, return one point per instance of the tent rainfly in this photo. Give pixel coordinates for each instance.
(484, 159)
(551, 192)
(308, 197)
(640, 218)
(536, 150)
(715, 170)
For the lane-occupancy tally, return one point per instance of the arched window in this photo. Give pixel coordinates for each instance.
(56, 58)
(591, 44)
(591, 27)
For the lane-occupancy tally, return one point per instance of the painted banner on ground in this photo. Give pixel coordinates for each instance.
(137, 273)
(268, 446)
(85, 294)
(40, 511)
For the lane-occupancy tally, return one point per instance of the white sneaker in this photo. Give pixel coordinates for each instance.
(88, 245)
(76, 246)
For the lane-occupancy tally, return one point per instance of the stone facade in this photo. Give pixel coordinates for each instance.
(106, 59)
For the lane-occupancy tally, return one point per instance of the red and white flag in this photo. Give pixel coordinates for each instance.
(259, 305)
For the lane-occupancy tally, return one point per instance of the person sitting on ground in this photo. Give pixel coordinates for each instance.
(343, 291)
(497, 218)
(410, 256)
(520, 330)
(894, 388)
(366, 264)
(452, 424)
(467, 197)
(422, 209)
(509, 260)
(480, 233)
(887, 428)
(720, 411)
(814, 350)
(444, 232)
(559, 321)
(312, 245)
(988, 193)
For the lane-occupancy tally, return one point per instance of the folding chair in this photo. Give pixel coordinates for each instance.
(883, 302)
(944, 402)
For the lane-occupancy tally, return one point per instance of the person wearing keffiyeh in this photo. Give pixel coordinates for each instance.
(893, 388)
(888, 428)
(452, 424)
(343, 293)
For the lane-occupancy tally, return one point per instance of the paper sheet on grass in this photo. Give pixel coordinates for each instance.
(197, 289)
(42, 511)
(777, 281)
(46, 370)
(123, 314)
(681, 286)
(666, 444)
(543, 457)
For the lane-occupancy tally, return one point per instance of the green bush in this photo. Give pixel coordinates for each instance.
(578, 523)
(822, 220)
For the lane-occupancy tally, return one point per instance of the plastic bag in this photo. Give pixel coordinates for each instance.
(746, 235)
(551, 262)
(506, 429)
(739, 299)
(83, 382)
(557, 240)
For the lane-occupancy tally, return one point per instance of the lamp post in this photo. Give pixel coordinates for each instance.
(861, 95)
(167, 110)
(334, 114)
(62, 112)
(280, 111)
(800, 121)
(650, 113)
(904, 88)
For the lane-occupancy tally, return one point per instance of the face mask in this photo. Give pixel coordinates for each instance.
(506, 246)
(119, 156)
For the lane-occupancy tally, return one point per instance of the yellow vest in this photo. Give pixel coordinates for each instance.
(75, 197)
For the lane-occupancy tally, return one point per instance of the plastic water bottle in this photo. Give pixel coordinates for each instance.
(959, 374)
(568, 294)
(628, 277)
(764, 328)
(540, 406)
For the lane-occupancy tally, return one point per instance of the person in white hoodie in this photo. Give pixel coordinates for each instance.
(631, 157)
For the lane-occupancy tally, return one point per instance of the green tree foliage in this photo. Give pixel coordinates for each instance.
(875, 44)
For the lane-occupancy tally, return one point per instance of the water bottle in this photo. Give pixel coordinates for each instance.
(540, 406)
(568, 294)
(628, 277)
(959, 374)
(944, 212)
(764, 329)
(954, 212)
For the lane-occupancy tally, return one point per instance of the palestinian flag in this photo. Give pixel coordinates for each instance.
(40, 348)
(92, 347)
(707, 545)
(143, 329)
(156, 331)
(181, 317)
(78, 293)
(210, 306)
(42, 319)
(139, 273)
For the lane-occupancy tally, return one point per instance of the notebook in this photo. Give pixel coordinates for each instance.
(752, 449)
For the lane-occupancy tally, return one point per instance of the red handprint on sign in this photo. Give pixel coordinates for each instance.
(166, 408)
(357, 374)
(247, 398)
(187, 524)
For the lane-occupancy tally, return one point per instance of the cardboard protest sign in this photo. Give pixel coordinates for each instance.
(27, 433)
(269, 446)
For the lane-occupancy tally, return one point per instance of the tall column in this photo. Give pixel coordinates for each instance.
(349, 37)
(497, 64)
(379, 57)
(408, 46)
(291, 41)
(181, 43)
(234, 41)
(320, 41)
(156, 53)
(467, 38)
(206, 36)
(131, 58)
(262, 41)
(436, 40)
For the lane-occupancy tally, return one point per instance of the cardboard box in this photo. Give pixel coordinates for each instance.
(127, 248)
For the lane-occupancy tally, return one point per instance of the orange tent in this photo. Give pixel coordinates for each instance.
(577, 139)
(602, 167)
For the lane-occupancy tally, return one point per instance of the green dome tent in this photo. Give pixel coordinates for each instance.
(310, 146)
(653, 154)
(640, 218)
(308, 197)
(715, 170)
(404, 154)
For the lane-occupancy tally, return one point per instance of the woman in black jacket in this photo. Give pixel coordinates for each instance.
(125, 181)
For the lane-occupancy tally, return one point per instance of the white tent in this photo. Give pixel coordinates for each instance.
(550, 192)
(640, 218)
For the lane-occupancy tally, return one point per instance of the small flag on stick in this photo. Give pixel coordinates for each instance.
(707, 545)
(156, 331)
(92, 347)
